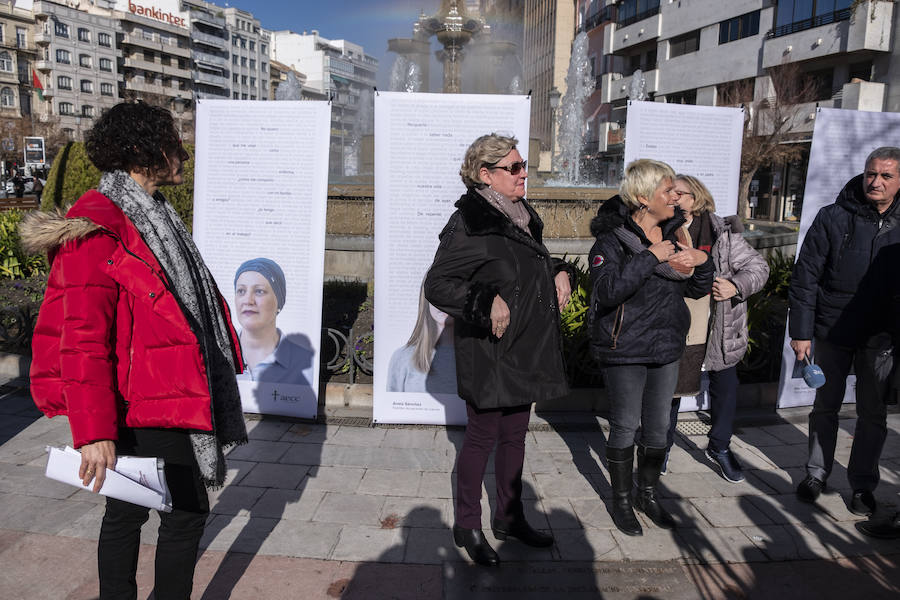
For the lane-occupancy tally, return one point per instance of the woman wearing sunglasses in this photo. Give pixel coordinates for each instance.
(494, 276)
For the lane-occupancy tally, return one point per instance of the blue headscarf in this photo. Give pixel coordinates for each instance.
(271, 271)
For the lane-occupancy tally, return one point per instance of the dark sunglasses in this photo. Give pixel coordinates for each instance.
(512, 169)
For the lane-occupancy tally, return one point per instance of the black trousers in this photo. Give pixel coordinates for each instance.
(179, 531)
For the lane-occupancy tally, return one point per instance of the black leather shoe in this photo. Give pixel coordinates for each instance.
(522, 531)
(862, 503)
(809, 489)
(476, 546)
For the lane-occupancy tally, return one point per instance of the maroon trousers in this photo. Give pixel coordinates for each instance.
(504, 428)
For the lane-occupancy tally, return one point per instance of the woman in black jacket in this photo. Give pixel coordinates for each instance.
(493, 275)
(641, 271)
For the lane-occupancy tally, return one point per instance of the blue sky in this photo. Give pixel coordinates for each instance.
(369, 23)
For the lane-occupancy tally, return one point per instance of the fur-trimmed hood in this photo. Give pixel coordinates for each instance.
(613, 213)
(47, 231)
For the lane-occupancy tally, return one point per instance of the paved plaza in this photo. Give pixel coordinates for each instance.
(347, 511)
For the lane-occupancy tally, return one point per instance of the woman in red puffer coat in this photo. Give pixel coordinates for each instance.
(135, 345)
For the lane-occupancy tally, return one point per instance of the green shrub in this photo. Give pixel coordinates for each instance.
(14, 262)
(73, 174)
(582, 369)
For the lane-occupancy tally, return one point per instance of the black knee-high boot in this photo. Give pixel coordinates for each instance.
(621, 465)
(650, 461)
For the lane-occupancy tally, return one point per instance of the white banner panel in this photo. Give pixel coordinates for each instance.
(420, 140)
(842, 140)
(260, 192)
(703, 141)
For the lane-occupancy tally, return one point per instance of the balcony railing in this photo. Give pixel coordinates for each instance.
(817, 21)
(607, 14)
(638, 17)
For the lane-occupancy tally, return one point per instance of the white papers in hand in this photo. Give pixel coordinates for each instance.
(136, 479)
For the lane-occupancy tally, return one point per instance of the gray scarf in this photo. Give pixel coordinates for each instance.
(513, 209)
(194, 288)
(633, 243)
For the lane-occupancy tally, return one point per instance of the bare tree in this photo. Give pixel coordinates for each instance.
(15, 129)
(771, 121)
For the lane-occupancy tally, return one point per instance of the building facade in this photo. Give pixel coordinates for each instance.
(339, 69)
(723, 53)
(77, 65)
(548, 35)
(250, 49)
(17, 56)
(210, 57)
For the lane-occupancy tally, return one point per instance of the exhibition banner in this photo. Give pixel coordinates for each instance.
(842, 140)
(260, 193)
(420, 141)
(703, 141)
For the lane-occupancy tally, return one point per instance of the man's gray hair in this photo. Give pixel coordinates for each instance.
(885, 153)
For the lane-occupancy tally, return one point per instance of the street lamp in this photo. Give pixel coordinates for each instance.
(553, 95)
(179, 104)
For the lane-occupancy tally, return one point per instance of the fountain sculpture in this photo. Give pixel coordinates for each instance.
(455, 29)
(579, 86)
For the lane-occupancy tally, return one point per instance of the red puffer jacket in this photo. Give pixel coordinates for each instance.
(111, 345)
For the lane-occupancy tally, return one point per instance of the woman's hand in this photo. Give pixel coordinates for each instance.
(690, 257)
(499, 316)
(662, 250)
(563, 289)
(96, 458)
(722, 289)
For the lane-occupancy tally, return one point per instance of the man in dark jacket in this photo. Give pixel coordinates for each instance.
(832, 302)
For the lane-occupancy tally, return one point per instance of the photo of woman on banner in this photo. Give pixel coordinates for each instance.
(426, 363)
(269, 355)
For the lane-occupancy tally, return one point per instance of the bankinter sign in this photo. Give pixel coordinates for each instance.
(157, 13)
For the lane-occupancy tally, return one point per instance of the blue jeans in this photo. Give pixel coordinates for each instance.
(639, 395)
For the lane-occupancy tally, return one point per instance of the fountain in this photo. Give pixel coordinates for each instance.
(289, 89)
(570, 116)
(455, 29)
(363, 127)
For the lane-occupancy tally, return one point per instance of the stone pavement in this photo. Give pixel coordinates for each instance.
(339, 511)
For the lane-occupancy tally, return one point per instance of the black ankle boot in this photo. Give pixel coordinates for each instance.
(476, 546)
(650, 461)
(522, 531)
(621, 464)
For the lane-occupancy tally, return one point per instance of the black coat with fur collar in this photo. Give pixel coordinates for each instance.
(482, 254)
(637, 316)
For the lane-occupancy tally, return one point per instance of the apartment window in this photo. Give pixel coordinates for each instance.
(21, 37)
(263, 49)
(6, 63)
(106, 64)
(685, 97)
(63, 56)
(87, 86)
(797, 15)
(632, 11)
(243, 43)
(7, 97)
(61, 29)
(264, 67)
(234, 59)
(243, 61)
(235, 40)
(84, 60)
(84, 35)
(252, 45)
(253, 82)
(149, 77)
(87, 111)
(64, 82)
(235, 96)
(104, 39)
(243, 96)
(252, 63)
(243, 80)
(149, 56)
(66, 108)
(253, 96)
(165, 59)
(739, 27)
(734, 93)
(234, 77)
(106, 89)
(684, 44)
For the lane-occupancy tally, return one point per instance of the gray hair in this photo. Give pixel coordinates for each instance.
(486, 151)
(885, 153)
